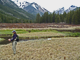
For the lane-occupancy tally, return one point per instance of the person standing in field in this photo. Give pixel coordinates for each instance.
(14, 41)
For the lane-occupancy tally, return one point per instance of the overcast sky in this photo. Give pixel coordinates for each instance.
(52, 5)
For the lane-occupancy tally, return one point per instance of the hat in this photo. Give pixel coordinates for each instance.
(13, 31)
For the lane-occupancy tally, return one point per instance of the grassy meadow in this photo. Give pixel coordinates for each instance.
(38, 33)
(32, 33)
(62, 48)
(67, 48)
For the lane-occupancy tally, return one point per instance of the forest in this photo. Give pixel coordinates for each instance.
(73, 17)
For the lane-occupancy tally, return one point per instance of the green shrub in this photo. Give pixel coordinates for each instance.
(76, 34)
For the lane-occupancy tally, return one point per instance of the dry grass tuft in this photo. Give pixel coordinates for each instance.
(55, 49)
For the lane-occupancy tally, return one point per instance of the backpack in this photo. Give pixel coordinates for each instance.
(17, 38)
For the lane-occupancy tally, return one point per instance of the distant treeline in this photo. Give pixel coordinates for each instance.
(73, 17)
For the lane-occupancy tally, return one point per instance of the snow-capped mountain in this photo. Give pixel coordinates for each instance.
(10, 9)
(62, 10)
(72, 7)
(32, 8)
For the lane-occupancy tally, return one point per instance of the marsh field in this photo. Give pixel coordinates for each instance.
(41, 42)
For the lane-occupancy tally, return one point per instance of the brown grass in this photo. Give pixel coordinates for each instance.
(37, 25)
(40, 34)
(55, 49)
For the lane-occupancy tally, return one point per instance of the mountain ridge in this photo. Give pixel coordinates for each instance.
(35, 8)
(32, 8)
(12, 9)
(62, 10)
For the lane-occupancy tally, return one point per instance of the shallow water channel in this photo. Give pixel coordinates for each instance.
(6, 37)
(7, 42)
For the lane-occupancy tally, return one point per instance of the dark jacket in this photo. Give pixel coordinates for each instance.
(14, 36)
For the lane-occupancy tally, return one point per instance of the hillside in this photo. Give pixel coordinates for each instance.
(10, 10)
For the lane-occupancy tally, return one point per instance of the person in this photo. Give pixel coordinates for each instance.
(14, 41)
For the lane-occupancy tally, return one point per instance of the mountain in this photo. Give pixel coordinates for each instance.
(62, 10)
(32, 8)
(72, 7)
(9, 8)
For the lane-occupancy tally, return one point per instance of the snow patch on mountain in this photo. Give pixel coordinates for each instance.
(21, 4)
(24, 4)
(34, 6)
(72, 7)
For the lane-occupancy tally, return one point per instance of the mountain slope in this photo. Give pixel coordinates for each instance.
(10, 8)
(32, 8)
(62, 10)
(72, 7)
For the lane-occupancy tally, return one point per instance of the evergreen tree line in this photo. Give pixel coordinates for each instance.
(73, 17)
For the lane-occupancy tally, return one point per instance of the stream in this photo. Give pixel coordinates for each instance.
(8, 36)
(7, 42)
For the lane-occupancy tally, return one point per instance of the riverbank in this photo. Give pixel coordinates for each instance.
(66, 48)
(33, 34)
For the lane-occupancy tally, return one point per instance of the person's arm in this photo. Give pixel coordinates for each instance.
(14, 36)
